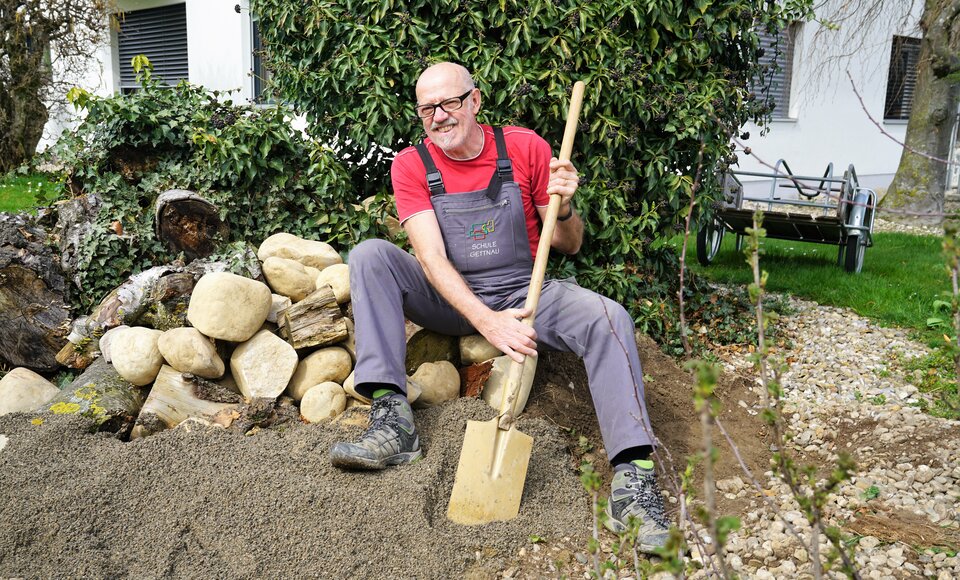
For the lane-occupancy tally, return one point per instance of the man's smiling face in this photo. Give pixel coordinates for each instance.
(455, 132)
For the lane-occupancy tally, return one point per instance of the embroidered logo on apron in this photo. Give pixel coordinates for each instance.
(479, 231)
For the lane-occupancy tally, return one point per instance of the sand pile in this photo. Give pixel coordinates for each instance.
(201, 501)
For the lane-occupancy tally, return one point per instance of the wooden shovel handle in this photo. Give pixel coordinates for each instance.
(507, 408)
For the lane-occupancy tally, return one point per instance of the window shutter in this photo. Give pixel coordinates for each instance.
(161, 35)
(777, 60)
(902, 77)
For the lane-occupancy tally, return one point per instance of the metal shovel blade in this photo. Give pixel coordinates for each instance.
(490, 475)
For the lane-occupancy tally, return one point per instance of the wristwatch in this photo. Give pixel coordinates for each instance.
(566, 217)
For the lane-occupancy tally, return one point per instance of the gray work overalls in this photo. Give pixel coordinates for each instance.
(485, 236)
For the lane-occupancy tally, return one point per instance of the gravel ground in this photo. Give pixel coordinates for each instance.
(845, 391)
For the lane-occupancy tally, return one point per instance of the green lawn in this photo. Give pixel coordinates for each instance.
(902, 275)
(23, 192)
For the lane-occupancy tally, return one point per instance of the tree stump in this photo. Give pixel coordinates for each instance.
(76, 218)
(103, 396)
(188, 223)
(34, 317)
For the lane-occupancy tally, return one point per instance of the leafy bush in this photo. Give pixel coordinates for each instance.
(264, 176)
(664, 78)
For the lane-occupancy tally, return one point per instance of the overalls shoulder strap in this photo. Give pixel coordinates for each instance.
(504, 170)
(503, 173)
(434, 179)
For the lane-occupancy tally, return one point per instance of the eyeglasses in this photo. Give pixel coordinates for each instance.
(447, 106)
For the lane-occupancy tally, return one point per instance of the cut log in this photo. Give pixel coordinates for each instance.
(167, 302)
(175, 398)
(427, 346)
(314, 321)
(126, 304)
(188, 223)
(34, 318)
(101, 395)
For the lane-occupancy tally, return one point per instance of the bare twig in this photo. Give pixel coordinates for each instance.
(884, 132)
(694, 188)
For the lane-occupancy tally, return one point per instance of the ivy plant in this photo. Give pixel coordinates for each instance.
(664, 77)
(262, 174)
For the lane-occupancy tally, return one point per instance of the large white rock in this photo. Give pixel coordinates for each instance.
(278, 304)
(288, 278)
(350, 343)
(228, 307)
(348, 387)
(311, 253)
(413, 391)
(135, 354)
(337, 277)
(474, 348)
(440, 382)
(493, 389)
(106, 339)
(188, 351)
(263, 365)
(330, 364)
(23, 390)
(323, 402)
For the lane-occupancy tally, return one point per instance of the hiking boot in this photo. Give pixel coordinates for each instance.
(635, 495)
(391, 438)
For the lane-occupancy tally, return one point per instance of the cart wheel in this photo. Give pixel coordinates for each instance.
(708, 241)
(853, 256)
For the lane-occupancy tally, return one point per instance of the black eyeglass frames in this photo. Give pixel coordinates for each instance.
(447, 105)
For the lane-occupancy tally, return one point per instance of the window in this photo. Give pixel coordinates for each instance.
(161, 35)
(261, 74)
(773, 83)
(902, 78)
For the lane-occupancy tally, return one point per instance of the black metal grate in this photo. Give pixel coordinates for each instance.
(161, 35)
(902, 78)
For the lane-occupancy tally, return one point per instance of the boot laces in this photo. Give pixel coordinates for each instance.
(646, 495)
(385, 423)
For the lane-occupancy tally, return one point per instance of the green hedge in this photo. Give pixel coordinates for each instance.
(663, 78)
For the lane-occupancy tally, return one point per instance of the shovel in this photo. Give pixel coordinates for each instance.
(495, 454)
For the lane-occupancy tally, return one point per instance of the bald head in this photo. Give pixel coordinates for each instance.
(452, 126)
(447, 74)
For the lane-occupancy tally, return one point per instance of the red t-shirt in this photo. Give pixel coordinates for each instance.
(528, 151)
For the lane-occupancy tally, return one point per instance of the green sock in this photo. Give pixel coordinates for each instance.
(643, 463)
(384, 392)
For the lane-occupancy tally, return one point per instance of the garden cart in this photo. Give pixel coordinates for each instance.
(824, 210)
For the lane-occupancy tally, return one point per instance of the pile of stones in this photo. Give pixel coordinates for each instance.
(230, 353)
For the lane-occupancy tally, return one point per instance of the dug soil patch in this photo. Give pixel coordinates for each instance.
(202, 501)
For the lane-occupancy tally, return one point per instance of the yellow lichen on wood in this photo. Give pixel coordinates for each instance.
(64, 408)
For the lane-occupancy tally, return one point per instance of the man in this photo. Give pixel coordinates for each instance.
(472, 199)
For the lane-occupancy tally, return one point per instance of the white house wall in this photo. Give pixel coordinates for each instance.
(218, 52)
(827, 122)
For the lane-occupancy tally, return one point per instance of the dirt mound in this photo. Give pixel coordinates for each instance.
(561, 396)
(201, 501)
